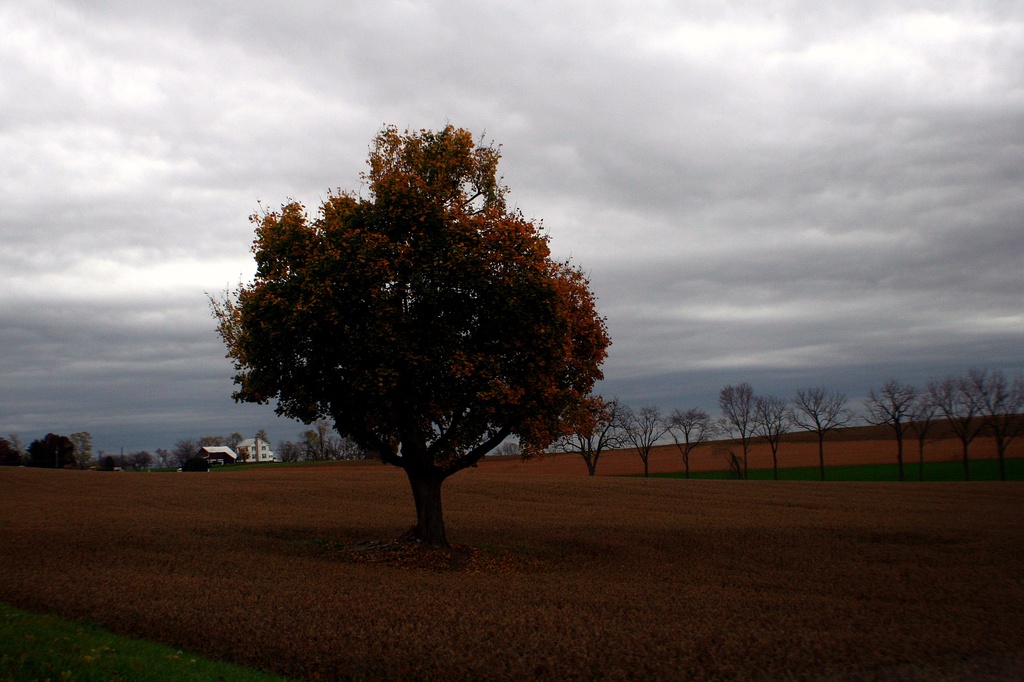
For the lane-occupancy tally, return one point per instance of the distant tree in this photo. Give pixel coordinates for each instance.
(288, 451)
(16, 443)
(320, 442)
(233, 440)
(51, 451)
(771, 422)
(820, 410)
(737, 405)
(184, 450)
(139, 460)
(508, 448)
(893, 406)
(83, 448)
(107, 462)
(9, 455)
(735, 465)
(922, 422)
(422, 316)
(263, 436)
(690, 429)
(1000, 403)
(642, 429)
(163, 457)
(213, 441)
(593, 427)
(955, 400)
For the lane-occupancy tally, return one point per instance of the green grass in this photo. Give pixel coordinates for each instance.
(40, 647)
(981, 470)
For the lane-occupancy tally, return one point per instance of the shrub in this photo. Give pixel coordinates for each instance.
(196, 464)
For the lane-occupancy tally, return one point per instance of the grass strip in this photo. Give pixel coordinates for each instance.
(43, 647)
(981, 470)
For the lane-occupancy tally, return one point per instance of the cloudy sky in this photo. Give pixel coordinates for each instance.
(786, 193)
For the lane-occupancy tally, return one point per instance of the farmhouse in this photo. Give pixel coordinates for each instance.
(217, 454)
(255, 450)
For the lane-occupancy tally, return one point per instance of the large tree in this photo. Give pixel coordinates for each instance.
(423, 316)
(737, 405)
(52, 451)
(958, 403)
(893, 406)
(643, 428)
(1000, 402)
(592, 428)
(688, 430)
(820, 410)
(771, 422)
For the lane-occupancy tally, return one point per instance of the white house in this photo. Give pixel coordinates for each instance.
(255, 450)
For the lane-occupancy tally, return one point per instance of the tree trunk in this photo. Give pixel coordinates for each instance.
(899, 454)
(426, 491)
(967, 466)
(821, 453)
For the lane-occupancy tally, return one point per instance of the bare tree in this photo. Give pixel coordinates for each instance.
(163, 457)
(688, 430)
(184, 450)
(321, 442)
(771, 421)
(289, 451)
(595, 426)
(921, 422)
(955, 400)
(737, 405)
(820, 410)
(642, 429)
(1000, 402)
(892, 406)
(508, 448)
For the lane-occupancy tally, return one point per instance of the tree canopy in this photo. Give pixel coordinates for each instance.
(426, 320)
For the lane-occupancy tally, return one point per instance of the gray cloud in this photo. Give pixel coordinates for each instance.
(778, 192)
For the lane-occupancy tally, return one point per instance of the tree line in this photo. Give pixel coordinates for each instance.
(979, 403)
(320, 442)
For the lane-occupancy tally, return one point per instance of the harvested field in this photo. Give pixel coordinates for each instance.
(560, 577)
(864, 445)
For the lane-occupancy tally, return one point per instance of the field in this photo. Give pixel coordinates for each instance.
(556, 576)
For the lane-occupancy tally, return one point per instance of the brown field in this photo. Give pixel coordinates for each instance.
(862, 445)
(568, 577)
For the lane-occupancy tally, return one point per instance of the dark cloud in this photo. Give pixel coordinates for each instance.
(782, 193)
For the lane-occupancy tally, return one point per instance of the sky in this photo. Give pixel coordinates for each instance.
(791, 194)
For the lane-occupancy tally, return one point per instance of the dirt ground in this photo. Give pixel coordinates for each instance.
(556, 577)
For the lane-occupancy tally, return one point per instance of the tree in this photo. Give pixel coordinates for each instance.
(954, 400)
(9, 455)
(593, 427)
(51, 451)
(320, 442)
(922, 420)
(892, 406)
(426, 319)
(163, 457)
(1000, 402)
(184, 450)
(688, 430)
(139, 460)
(642, 429)
(820, 410)
(289, 451)
(771, 421)
(83, 448)
(737, 405)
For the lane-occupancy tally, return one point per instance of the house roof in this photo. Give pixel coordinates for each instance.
(219, 450)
